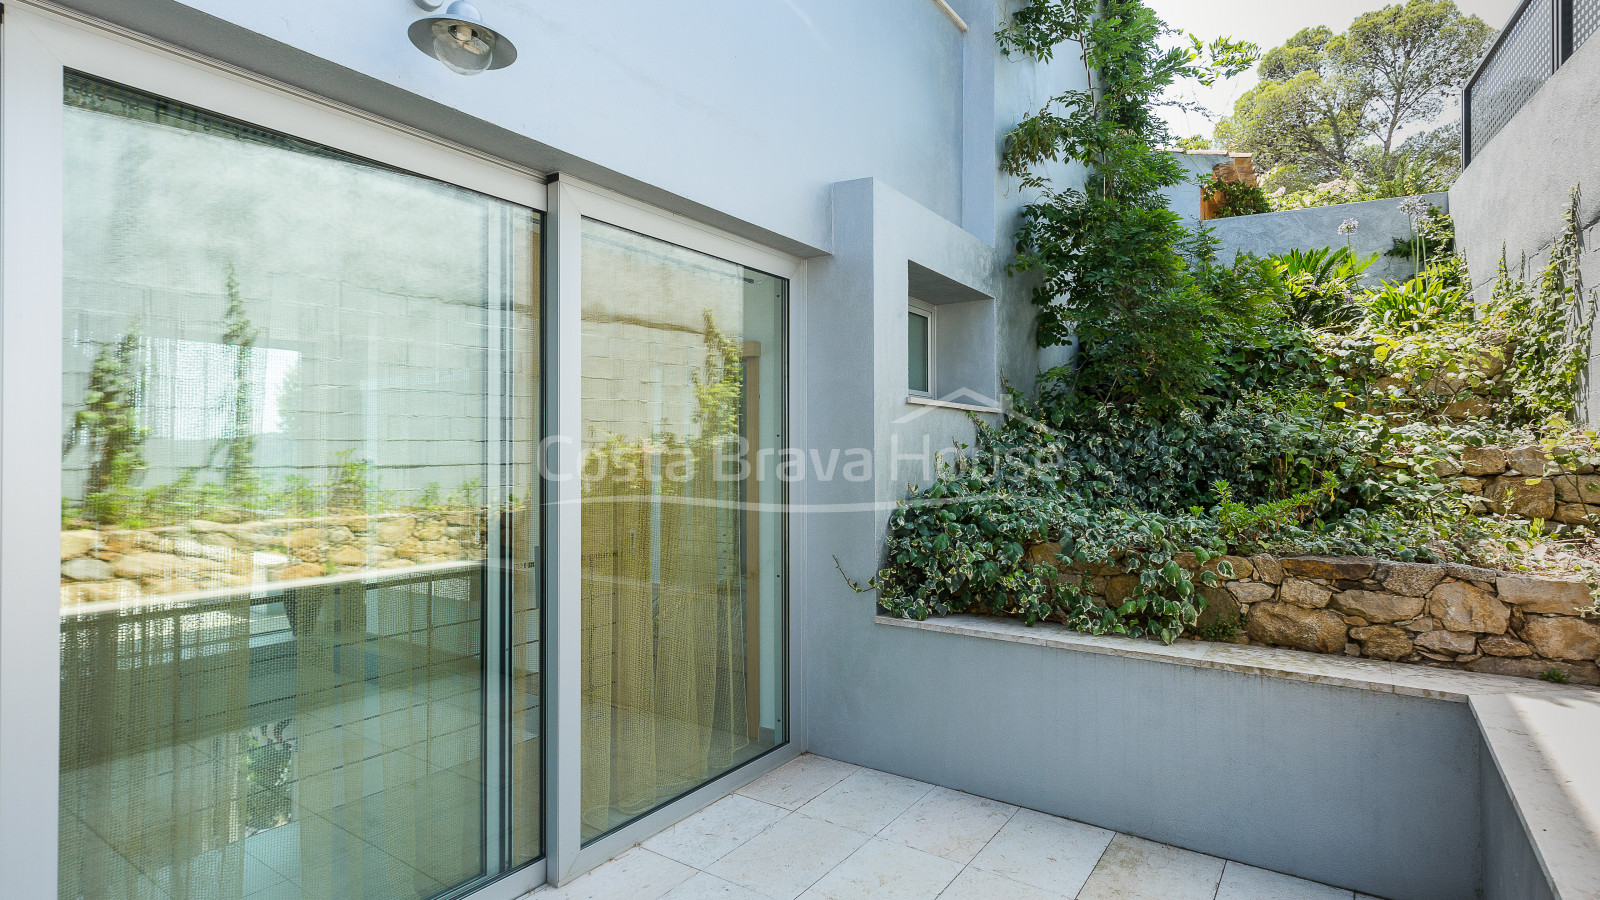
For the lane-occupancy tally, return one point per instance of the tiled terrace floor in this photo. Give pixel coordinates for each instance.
(819, 829)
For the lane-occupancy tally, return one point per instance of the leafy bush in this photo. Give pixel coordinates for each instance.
(1418, 305)
(1548, 325)
(1236, 198)
(1328, 193)
(1320, 285)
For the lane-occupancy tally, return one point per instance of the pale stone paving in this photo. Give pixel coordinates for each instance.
(819, 829)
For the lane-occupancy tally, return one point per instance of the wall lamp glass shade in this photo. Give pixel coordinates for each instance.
(458, 38)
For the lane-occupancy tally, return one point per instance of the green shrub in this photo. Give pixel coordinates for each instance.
(1236, 198)
(1320, 285)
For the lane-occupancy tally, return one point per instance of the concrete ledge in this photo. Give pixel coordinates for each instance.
(1544, 748)
(946, 404)
(1271, 662)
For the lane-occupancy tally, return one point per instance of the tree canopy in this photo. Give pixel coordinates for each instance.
(1365, 104)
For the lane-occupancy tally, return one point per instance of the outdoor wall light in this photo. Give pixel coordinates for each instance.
(458, 38)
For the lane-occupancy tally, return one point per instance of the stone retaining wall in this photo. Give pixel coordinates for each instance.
(1526, 481)
(1448, 616)
(201, 555)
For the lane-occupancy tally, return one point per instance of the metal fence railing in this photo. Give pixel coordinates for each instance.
(1539, 38)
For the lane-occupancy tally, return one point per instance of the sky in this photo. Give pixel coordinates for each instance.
(1269, 23)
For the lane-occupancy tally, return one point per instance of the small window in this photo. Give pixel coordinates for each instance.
(919, 349)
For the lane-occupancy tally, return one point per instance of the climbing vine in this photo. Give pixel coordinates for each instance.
(1113, 264)
(1548, 323)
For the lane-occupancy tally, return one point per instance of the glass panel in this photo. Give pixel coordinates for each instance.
(917, 353)
(683, 412)
(292, 479)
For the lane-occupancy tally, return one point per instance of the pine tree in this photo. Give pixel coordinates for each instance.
(108, 427)
(239, 475)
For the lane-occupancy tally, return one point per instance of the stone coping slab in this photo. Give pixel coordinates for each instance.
(1544, 746)
(1271, 662)
(1542, 737)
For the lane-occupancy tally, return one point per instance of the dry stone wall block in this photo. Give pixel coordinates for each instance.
(1477, 461)
(1579, 672)
(301, 570)
(1318, 630)
(87, 569)
(1555, 637)
(1220, 606)
(1462, 607)
(1410, 579)
(393, 531)
(1042, 554)
(77, 543)
(1527, 460)
(1267, 568)
(1467, 408)
(1330, 568)
(1304, 593)
(1251, 592)
(147, 565)
(1120, 588)
(1517, 495)
(1383, 641)
(1504, 645)
(1470, 573)
(1443, 641)
(1544, 595)
(1573, 514)
(1377, 607)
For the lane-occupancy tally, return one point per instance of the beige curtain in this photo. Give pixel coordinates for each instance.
(664, 645)
(152, 737)
(164, 795)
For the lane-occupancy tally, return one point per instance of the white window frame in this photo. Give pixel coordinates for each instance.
(37, 43)
(930, 313)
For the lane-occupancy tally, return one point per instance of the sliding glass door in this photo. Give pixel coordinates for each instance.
(299, 621)
(683, 614)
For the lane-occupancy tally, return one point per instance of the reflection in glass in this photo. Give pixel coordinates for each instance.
(292, 480)
(683, 410)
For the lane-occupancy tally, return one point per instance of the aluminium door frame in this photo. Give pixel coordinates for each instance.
(571, 201)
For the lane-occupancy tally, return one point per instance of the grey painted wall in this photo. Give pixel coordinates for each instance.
(1184, 199)
(1381, 222)
(743, 114)
(1364, 790)
(1511, 869)
(1513, 197)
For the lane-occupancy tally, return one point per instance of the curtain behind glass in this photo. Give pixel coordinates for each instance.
(675, 605)
(282, 481)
